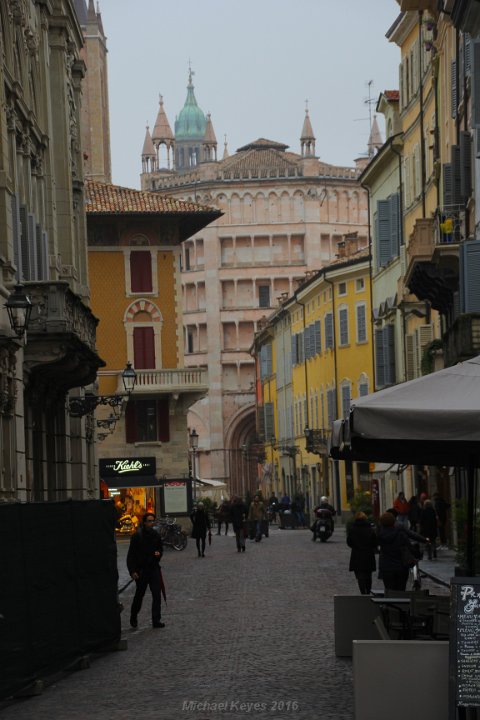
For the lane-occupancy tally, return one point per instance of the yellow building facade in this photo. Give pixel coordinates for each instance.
(314, 358)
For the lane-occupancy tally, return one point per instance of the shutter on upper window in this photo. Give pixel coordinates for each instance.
(141, 271)
(361, 324)
(144, 348)
(17, 237)
(269, 360)
(269, 421)
(447, 186)
(379, 359)
(329, 331)
(395, 225)
(346, 400)
(410, 357)
(389, 351)
(453, 87)
(475, 55)
(318, 337)
(343, 321)
(456, 175)
(465, 165)
(469, 275)
(294, 349)
(384, 220)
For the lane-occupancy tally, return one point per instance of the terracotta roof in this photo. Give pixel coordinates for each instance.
(103, 199)
(162, 129)
(209, 136)
(392, 95)
(260, 159)
(148, 147)
(263, 144)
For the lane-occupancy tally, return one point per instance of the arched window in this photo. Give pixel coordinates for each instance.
(143, 324)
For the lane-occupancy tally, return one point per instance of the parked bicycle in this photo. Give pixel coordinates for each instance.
(171, 533)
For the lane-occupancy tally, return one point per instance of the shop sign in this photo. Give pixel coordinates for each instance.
(127, 467)
(175, 499)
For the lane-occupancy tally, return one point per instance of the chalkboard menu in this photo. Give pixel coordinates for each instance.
(464, 663)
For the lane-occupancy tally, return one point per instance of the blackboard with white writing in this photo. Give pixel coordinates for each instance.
(465, 641)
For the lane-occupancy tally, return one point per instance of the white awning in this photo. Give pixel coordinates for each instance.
(212, 483)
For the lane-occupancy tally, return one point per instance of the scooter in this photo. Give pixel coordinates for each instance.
(323, 525)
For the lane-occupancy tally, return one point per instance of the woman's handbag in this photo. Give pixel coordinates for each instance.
(408, 559)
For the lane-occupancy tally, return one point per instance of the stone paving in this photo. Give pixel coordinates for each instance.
(247, 635)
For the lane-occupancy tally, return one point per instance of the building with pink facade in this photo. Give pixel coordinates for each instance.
(285, 214)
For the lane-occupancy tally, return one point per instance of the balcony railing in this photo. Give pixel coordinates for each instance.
(182, 380)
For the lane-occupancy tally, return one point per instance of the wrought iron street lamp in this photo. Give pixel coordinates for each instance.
(80, 406)
(19, 309)
(193, 447)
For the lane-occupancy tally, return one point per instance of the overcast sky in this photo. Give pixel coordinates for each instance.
(255, 64)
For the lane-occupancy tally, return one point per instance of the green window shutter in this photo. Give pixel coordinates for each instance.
(389, 354)
(475, 55)
(465, 165)
(379, 359)
(469, 275)
(384, 215)
(456, 176)
(343, 322)
(328, 331)
(447, 186)
(453, 88)
(361, 324)
(268, 361)
(294, 350)
(395, 225)
(318, 337)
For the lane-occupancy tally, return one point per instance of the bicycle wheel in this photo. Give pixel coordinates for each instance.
(180, 540)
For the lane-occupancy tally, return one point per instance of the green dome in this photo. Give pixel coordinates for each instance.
(191, 122)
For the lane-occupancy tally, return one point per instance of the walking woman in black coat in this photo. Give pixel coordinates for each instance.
(362, 538)
(201, 525)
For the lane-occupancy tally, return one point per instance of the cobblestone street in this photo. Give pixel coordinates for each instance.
(247, 635)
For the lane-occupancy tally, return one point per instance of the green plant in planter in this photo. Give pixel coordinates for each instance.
(460, 514)
(361, 502)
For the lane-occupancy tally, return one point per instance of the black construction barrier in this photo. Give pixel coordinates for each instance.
(58, 587)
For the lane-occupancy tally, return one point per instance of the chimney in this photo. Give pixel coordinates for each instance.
(341, 249)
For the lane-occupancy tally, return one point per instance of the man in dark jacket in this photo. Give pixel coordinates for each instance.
(238, 514)
(143, 562)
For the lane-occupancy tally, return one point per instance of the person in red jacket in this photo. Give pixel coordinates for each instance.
(402, 507)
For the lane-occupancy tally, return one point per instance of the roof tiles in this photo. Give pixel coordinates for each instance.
(104, 198)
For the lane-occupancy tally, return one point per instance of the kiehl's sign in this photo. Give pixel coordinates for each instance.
(124, 467)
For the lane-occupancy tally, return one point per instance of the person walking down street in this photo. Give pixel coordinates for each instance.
(223, 516)
(272, 507)
(362, 539)
(201, 525)
(402, 507)
(143, 563)
(429, 527)
(442, 508)
(256, 514)
(413, 512)
(298, 507)
(391, 539)
(238, 515)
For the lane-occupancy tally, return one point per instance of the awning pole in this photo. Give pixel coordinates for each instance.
(470, 518)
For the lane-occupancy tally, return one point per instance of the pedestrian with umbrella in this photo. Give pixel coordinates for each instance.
(143, 562)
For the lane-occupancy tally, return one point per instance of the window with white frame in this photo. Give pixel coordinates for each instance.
(360, 284)
(361, 318)
(346, 398)
(342, 288)
(343, 323)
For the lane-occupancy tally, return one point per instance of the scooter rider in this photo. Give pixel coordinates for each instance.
(325, 505)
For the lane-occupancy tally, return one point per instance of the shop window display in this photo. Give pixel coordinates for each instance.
(131, 505)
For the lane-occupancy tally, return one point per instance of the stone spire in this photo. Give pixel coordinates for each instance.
(307, 138)
(375, 141)
(209, 141)
(226, 154)
(149, 154)
(162, 132)
(163, 136)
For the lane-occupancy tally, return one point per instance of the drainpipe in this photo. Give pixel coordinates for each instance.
(422, 118)
(335, 462)
(305, 365)
(370, 273)
(400, 219)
